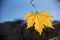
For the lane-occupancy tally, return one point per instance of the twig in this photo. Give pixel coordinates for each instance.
(31, 2)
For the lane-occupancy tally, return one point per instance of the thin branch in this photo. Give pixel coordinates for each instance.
(31, 2)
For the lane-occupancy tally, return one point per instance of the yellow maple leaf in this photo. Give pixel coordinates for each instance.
(39, 19)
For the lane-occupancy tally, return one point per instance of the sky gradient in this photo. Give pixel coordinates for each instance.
(16, 9)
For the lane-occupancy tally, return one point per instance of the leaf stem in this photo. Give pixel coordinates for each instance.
(31, 2)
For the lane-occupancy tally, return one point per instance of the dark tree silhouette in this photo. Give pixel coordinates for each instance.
(58, 0)
(16, 30)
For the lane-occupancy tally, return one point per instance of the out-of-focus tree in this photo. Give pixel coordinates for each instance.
(58, 0)
(55, 38)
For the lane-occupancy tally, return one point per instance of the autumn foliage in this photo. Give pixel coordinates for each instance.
(39, 19)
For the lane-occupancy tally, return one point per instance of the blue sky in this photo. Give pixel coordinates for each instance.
(16, 9)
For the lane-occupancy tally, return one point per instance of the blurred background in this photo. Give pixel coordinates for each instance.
(15, 9)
